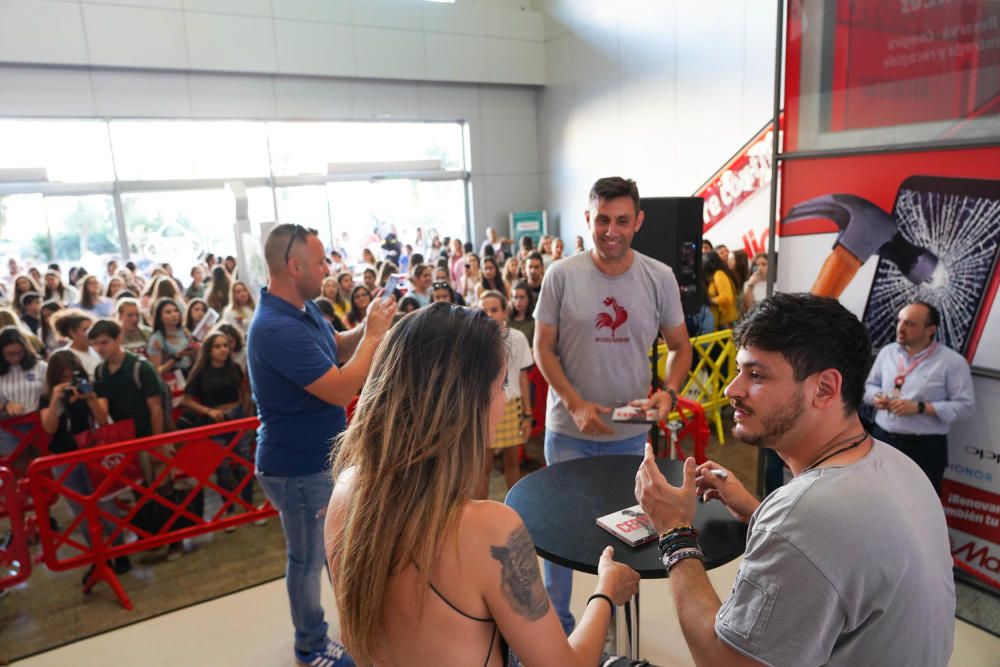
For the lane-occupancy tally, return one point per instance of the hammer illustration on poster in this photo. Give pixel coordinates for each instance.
(939, 244)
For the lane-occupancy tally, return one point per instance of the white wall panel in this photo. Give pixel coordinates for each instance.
(151, 4)
(391, 54)
(222, 96)
(448, 101)
(39, 91)
(232, 43)
(331, 11)
(241, 7)
(402, 14)
(663, 91)
(142, 37)
(515, 24)
(456, 19)
(376, 99)
(297, 98)
(141, 94)
(515, 61)
(454, 57)
(504, 194)
(314, 48)
(42, 31)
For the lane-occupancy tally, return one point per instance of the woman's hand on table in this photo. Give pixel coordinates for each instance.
(616, 580)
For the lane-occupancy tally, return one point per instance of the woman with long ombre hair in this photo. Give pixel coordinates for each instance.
(218, 290)
(423, 574)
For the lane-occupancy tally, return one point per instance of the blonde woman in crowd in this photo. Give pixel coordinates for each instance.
(241, 306)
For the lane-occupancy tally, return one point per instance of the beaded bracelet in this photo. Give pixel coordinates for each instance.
(681, 554)
(677, 529)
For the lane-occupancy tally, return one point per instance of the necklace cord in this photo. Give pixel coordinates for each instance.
(854, 444)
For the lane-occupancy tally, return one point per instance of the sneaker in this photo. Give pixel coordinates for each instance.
(122, 565)
(260, 522)
(175, 551)
(333, 655)
(230, 529)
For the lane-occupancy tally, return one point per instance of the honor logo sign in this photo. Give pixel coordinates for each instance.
(983, 454)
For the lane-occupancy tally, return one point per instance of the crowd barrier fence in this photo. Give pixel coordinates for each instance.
(31, 442)
(15, 559)
(149, 493)
(713, 368)
(687, 421)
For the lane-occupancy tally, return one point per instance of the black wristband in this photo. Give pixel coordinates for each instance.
(602, 596)
(921, 406)
(673, 397)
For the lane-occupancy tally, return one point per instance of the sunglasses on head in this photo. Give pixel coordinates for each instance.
(440, 285)
(298, 232)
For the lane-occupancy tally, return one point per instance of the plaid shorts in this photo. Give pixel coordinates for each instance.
(508, 433)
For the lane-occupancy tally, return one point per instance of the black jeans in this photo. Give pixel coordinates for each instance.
(930, 452)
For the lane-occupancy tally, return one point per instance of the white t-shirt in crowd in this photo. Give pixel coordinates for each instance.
(518, 359)
(89, 359)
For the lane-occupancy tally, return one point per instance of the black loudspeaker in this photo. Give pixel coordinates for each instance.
(671, 233)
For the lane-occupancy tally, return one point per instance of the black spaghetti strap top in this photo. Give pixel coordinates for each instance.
(504, 650)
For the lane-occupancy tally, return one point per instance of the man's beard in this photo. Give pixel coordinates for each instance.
(774, 425)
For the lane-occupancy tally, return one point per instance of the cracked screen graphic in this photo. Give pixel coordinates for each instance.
(959, 221)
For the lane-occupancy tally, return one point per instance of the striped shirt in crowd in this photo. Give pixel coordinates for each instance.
(23, 386)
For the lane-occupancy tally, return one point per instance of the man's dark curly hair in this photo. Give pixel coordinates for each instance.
(813, 334)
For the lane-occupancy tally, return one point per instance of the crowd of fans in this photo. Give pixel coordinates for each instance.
(87, 350)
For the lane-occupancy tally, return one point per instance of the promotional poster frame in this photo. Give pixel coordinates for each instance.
(938, 157)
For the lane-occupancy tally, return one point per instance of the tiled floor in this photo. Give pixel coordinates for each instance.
(252, 628)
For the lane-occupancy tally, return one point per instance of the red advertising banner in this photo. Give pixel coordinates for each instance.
(911, 61)
(974, 519)
(747, 173)
(878, 230)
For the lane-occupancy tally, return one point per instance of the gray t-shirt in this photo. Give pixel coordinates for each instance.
(846, 566)
(606, 327)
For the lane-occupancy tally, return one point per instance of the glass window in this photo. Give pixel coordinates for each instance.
(306, 205)
(162, 150)
(23, 234)
(308, 148)
(83, 230)
(178, 227)
(362, 209)
(71, 151)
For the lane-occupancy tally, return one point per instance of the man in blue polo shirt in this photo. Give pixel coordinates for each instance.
(293, 355)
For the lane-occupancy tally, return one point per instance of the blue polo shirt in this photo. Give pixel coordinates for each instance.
(287, 350)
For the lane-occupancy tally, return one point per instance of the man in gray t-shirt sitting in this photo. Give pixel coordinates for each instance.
(849, 563)
(597, 315)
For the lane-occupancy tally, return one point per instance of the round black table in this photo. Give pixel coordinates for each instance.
(559, 505)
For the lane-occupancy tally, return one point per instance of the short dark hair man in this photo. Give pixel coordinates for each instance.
(293, 355)
(597, 314)
(919, 387)
(534, 271)
(126, 391)
(850, 559)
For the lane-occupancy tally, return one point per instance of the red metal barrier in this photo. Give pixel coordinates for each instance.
(183, 461)
(541, 387)
(15, 561)
(32, 442)
(691, 416)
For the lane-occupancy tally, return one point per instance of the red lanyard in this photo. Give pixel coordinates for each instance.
(902, 373)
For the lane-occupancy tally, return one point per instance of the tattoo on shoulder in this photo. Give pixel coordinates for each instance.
(519, 580)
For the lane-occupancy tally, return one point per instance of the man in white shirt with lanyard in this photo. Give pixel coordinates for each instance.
(918, 387)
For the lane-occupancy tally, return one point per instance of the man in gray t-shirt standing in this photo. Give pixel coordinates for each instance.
(597, 315)
(849, 563)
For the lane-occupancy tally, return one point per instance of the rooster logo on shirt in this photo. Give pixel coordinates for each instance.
(612, 320)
